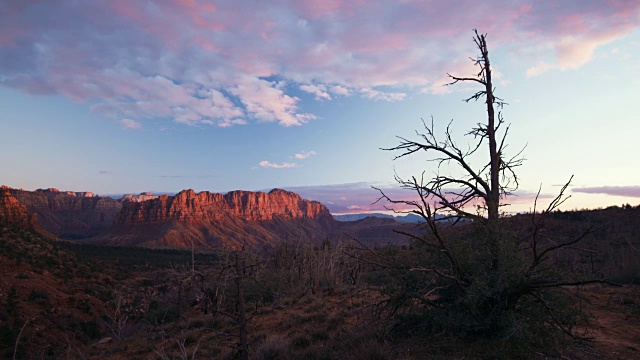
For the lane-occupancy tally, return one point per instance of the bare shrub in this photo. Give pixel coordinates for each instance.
(274, 347)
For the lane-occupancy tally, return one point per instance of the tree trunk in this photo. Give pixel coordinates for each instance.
(242, 320)
(493, 196)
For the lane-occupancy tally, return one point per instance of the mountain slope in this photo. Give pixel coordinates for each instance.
(69, 214)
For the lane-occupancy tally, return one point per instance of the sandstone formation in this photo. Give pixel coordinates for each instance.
(69, 214)
(232, 220)
(12, 211)
(189, 206)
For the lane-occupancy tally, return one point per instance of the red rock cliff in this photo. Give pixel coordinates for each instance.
(12, 211)
(189, 206)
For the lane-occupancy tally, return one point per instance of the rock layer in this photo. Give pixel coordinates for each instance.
(232, 220)
(189, 206)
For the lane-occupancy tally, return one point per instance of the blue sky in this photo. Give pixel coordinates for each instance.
(126, 97)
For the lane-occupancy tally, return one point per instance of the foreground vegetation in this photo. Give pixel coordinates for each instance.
(300, 301)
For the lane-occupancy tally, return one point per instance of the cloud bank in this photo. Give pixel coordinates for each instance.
(235, 62)
(360, 197)
(627, 191)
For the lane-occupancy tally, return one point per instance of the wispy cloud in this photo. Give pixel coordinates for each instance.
(381, 95)
(130, 124)
(185, 176)
(284, 165)
(102, 172)
(627, 191)
(303, 155)
(340, 90)
(235, 62)
(574, 50)
(320, 91)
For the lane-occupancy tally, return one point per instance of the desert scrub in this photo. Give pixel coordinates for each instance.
(300, 341)
(274, 347)
(39, 297)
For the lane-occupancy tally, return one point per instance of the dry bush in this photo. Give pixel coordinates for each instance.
(274, 347)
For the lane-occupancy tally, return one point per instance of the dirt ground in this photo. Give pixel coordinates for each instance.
(615, 326)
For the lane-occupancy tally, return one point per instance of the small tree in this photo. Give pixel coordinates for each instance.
(484, 277)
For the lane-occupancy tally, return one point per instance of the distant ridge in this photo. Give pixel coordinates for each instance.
(186, 219)
(410, 218)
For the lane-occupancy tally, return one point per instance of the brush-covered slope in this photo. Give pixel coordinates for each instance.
(44, 311)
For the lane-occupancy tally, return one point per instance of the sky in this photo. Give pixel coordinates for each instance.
(124, 96)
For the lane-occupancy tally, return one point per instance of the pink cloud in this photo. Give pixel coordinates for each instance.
(226, 63)
(319, 8)
(285, 165)
(320, 91)
(572, 52)
(303, 155)
(267, 101)
(381, 95)
(130, 124)
(339, 90)
(627, 191)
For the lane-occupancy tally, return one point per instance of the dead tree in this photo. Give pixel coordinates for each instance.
(487, 183)
(482, 186)
(486, 273)
(241, 317)
(236, 272)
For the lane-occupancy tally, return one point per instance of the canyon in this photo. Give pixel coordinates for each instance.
(189, 219)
